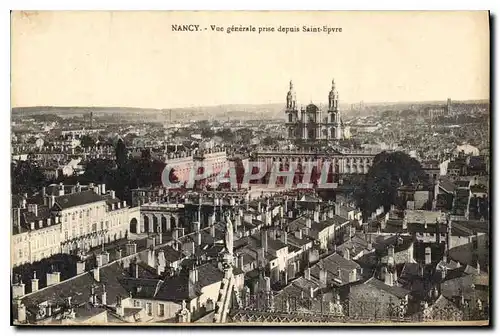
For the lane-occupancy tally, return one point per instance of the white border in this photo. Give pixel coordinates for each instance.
(7, 5)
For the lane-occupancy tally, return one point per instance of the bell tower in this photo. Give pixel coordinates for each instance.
(335, 127)
(291, 112)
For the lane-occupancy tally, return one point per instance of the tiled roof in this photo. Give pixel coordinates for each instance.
(446, 185)
(394, 290)
(79, 288)
(78, 199)
(177, 288)
(209, 274)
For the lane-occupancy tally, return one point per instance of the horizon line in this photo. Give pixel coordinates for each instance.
(249, 104)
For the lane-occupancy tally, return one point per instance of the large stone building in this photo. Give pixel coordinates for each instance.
(311, 123)
(64, 219)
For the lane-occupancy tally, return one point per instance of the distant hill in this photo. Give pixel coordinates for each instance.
(243, 111)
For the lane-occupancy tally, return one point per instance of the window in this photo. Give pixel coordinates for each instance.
(88, 213)
(102, 225)
(94, 227)
(80, 214)
(161, 309)
(149, 308)
(137, 303)
(65, 218)
(73, 216)
(20, 253)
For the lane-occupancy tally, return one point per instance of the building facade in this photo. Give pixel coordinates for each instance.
(311, 123)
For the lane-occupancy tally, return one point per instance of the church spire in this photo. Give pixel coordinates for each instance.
(290, 98)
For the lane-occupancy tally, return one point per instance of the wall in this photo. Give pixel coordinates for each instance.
(366, 300)
(170, 308)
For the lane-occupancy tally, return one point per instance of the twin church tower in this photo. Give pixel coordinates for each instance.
(311, 123)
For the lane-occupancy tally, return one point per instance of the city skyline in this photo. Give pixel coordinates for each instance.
(101, 59)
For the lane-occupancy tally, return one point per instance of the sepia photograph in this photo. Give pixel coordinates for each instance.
(250, 168)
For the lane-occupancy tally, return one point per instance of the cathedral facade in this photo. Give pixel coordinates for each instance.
(311, 123)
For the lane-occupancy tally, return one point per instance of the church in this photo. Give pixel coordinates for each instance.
(312, 124)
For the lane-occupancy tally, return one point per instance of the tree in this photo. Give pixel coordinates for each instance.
(388, 172)
(121, 154)
(244, 135)
(26, 177)
(269, 141)
(87, 141)
(226, 134)
(207, 133)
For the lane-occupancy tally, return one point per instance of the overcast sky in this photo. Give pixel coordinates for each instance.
(134, 59)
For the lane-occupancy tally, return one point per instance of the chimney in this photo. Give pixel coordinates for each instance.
(478, 267)
(53, 278)
(61, 189)
(104, 295)
(40, 223)
(21, 312)
(316, 215)
(369, 247)
(311, 292)
(307, 273)
(52, 200)
(118, 254)
(112, 194)
(193, 275)
(103, 189)
(151, 258)
(444, 270)
(284, 234)
(323, 276)
(32, 225)
(96, 274)
(428, 256)
(120, 311)
(267, 284)
(131, 248)
(212, 231)
(34, 283)
(80, 267)
(240, 261)
(18, 289)
(198, 238)
(389, 278)
(92, 297)
(347, 254)
(263, 237)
